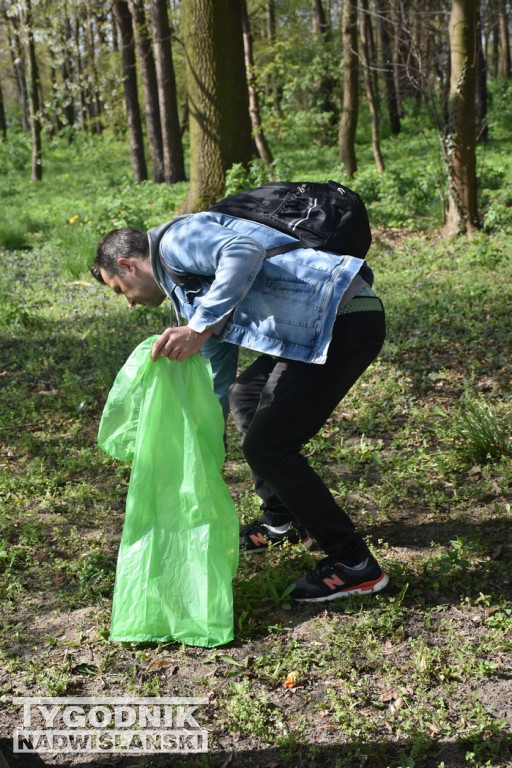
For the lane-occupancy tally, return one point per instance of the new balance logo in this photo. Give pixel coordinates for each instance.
(258, 539)
(333, 581)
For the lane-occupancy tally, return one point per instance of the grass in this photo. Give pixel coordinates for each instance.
(418, 453)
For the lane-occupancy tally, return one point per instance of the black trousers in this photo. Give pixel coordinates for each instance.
(278, 405)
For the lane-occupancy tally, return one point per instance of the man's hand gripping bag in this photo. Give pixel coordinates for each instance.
(179, 546)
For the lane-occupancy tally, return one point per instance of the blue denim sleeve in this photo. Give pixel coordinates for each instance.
(223, 357)
(201, 246)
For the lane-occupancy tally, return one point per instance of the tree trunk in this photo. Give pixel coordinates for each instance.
(236, 141)
(349, 113)
(115, 40)
(94, 106)
(19, 71)
(53, 115)
(327, 84)
(69, 106)
(220, 127)
(67, 75)
(82, 99)
(504, 66)
(124, 25)
(321, 26)
(254, 109)
(460, 140)
(33, 91)
(387, 65)
(3, 123)
(370, 94)
(398, 56)
(481, 84)
(174, 164)
(273, 88)
(149, 84)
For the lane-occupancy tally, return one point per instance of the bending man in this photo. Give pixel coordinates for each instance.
(317, 325)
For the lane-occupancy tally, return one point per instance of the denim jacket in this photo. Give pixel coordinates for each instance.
(284, 306)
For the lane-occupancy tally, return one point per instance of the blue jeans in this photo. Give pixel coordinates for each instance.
(278, 405)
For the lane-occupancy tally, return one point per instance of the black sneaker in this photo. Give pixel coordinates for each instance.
(256, 537)
(331, 579)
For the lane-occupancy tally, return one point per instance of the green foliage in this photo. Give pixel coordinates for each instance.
(404, 197)
(15, 153)
(239, 178)
(500, 106)
(485, 435)
(498, 218)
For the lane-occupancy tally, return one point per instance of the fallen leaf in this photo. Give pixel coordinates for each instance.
(389, 695)
(160, 664)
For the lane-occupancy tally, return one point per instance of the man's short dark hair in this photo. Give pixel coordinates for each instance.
(119, 243)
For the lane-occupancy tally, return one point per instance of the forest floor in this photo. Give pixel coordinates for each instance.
(418, 676)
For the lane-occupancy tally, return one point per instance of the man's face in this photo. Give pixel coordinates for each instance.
(136, 282)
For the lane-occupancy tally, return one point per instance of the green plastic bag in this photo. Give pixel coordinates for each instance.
(179, 546)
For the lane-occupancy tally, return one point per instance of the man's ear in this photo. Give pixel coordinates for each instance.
(128, 263)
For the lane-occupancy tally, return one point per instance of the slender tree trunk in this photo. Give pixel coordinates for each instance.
(416, 63)
(327, 84)
(82, 99)
(33, 92)
(124, 25)
(174, 164)
(460, 141)
(398, 23)
(115, 39)
(3, 123)
(94, 102)
(321, 26)
(504, 69)
(149, 83)
(53, 116)
(18, 64)
(370, 95)
(387, 64)
(272, 86)
(69, 106)
(481, 84)
(254, 108)
(67, 73)
(495, 42)
(349, 113)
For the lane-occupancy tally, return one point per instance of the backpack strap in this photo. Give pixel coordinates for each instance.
(282, 249)
(191, 282)
(185, 280)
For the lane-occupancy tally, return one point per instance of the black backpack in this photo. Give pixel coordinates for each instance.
(328, 216)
